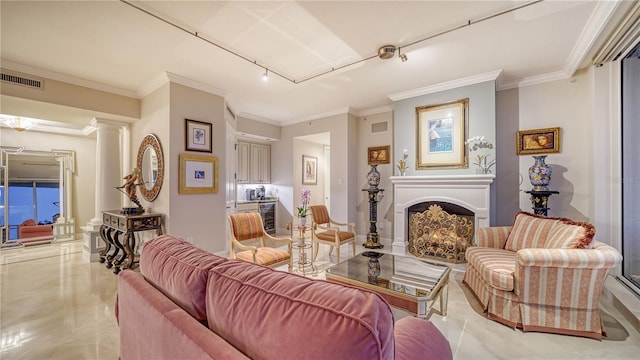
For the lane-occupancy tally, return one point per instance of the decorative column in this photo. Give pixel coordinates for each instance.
(108, 176)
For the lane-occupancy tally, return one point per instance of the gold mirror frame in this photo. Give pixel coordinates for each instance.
(151, 141)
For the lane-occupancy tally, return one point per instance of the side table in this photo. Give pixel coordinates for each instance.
(304, 265)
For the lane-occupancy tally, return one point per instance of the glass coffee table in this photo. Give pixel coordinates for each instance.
(405, 282)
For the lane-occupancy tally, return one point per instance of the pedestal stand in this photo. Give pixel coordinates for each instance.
(304, 264)
(539, 200)
(373, 241)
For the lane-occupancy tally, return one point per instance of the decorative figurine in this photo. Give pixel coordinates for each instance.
(131, 181)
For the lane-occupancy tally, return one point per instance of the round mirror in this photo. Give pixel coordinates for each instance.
(151, 164)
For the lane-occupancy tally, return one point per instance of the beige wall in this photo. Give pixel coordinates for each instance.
(366, 139)
(197, 217)
(84, 179)
(564, 103)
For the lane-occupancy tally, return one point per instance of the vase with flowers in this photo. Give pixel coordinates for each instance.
(482, 161)
(303, 209)
(402, 163)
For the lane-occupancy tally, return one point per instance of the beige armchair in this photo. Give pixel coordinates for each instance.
(245, 229)
(322, 232)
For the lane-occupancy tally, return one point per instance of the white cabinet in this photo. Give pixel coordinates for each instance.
(260, 164)
(243, 162)
(254, 163)
(248, 207)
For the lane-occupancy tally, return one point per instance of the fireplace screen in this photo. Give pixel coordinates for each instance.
(435, 232)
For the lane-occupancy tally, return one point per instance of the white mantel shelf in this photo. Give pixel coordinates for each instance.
(469, 191)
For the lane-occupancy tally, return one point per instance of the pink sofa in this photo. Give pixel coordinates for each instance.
(191, 304)
(541, 274)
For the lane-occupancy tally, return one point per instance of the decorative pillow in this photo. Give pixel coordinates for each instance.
(567, 234)
(270, 314)
(529, 231)
(179, 270)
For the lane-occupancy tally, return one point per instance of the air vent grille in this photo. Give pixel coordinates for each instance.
(379, 127)
(14, 79)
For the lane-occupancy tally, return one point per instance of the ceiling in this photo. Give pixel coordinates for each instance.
(119, 47)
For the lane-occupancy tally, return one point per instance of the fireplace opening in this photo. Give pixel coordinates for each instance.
(440, 230)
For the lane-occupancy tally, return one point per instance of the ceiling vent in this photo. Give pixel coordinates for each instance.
(20, 80)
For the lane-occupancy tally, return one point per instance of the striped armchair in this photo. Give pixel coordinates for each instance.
(245, 230)
(541, 274)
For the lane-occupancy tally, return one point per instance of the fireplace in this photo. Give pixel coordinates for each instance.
(440, 230)
(469, 192)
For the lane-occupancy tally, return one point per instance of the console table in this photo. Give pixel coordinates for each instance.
(117, 226)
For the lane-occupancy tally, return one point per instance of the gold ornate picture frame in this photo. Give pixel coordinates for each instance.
(379, 155)
(538, 141)
(441, 133)
(198, 174)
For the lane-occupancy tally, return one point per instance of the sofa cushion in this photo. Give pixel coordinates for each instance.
(270, 314)
(529, 231)
(496, 266)
(567, 234)
(180, 271)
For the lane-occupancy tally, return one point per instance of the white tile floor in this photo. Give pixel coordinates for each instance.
(54, 305)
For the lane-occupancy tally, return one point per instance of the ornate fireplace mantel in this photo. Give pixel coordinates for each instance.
(469, 191)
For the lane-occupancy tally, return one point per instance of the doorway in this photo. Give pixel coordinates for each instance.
(315, 147)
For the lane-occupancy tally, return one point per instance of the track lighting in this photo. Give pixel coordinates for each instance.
(402, 56)
(265, 76)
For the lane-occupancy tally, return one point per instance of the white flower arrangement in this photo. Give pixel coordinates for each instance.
(480, 142)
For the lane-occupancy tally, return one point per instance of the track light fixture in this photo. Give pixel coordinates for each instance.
(402, 56)
(384, 52)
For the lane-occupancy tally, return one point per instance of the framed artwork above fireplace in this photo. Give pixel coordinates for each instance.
(441, 133)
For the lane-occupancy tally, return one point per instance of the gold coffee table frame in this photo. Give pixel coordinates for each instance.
(407, 283)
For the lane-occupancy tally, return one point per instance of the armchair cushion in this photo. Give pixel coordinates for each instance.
(531, 231)
(246, 226)
(180, 271)
(496, 266)
(331, 235)
(266, 256)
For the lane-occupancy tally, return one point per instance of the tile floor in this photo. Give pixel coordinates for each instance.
(54, 305)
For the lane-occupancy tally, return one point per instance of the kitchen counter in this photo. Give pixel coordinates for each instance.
(258, 201)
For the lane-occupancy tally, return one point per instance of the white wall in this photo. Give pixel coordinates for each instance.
(84, 179)
(567, 104)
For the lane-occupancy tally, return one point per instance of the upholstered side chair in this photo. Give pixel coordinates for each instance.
(322, 232)
(244, 230)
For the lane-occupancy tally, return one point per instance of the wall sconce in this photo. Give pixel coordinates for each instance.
(19, 123)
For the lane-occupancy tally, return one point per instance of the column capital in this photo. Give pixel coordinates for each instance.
(100, 123)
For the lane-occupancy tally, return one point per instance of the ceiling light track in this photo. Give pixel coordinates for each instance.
(402, 56)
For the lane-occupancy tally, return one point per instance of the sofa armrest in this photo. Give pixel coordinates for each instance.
(493, 237)
(410, 334)
(601, 256)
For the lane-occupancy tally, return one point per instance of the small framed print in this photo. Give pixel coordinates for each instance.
(538, 141)
(309, 170)
(378, 155)
(198, 136)
(198, 174)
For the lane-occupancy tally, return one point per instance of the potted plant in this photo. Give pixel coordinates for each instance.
(303, 209)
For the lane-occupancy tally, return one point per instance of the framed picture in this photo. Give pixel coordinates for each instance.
(309, 170)
(442, 130)
(379, 154)
(538, 141)
(198, 135)
(198, 174)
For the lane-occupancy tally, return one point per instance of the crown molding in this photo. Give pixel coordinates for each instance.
(375, 111)
(471, 80)
(598, 20)
(339, 111)
(256, 118)
(166, 77)
(26, 69)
